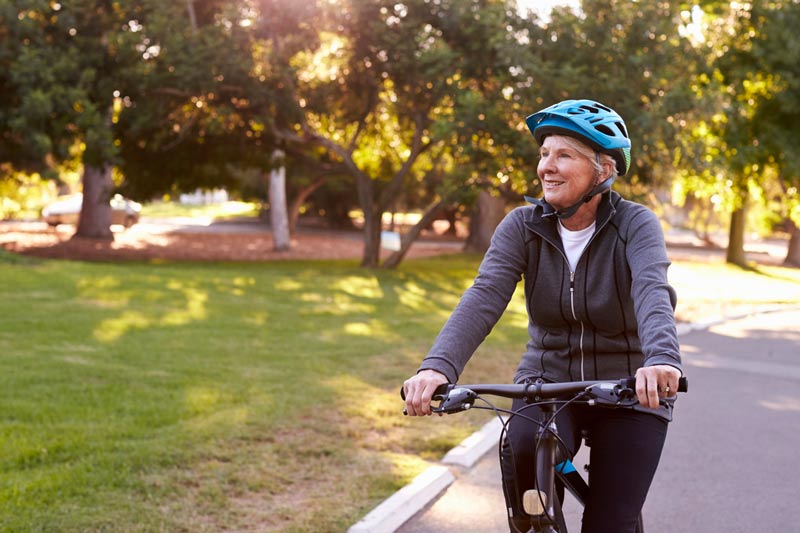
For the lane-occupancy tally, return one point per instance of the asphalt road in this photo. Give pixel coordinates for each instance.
(730, 462)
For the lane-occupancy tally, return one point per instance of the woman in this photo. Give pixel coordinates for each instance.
(599, 307)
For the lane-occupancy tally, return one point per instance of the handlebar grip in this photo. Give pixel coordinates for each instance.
(683, 384)
(439, 394)
(440, 390)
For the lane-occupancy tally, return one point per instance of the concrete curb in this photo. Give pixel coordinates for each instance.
(408, 501)
(396, 510)
(684, 327)
(405, 503)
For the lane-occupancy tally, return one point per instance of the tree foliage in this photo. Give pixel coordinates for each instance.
(429, 78)
(418, 104)
(633, 57)
(743, 146)
(185, 123)
(63, 64)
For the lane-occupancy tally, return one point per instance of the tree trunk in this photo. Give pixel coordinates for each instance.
(793, 251)
(450, 216)
(372, 237)
(278, 213)
(408, 239)
(192, 15)
(372, 221)
(735, 253)
(299, 200)
(486, 215)
(95, 218)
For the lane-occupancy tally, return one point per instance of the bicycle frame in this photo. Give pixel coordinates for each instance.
(551, 468)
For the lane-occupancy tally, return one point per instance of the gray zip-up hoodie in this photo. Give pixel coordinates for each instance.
(612, 315)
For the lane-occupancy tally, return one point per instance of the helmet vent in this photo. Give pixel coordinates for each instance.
(602, 128)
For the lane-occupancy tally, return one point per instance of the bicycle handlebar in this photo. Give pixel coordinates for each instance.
(546, 391)
(619, 392)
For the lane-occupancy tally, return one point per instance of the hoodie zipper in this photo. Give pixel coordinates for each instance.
(572, 278)
(575, 316)
(572, 295)
(572, 298)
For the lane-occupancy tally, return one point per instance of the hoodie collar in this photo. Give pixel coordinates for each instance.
(547, 225)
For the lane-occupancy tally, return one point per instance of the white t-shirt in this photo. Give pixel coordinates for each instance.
(574, 242)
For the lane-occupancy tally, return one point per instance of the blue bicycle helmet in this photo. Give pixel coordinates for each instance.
(591, 122)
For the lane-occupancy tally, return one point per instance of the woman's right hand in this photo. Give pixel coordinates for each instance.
(419, 391)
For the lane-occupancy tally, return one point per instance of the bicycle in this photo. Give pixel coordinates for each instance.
(542, 503)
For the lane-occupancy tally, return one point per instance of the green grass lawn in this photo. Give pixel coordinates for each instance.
(200, 397)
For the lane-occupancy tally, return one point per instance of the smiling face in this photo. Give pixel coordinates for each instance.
(566, 173)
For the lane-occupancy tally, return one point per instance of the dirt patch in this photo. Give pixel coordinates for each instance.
(222, 243)
(252, 241)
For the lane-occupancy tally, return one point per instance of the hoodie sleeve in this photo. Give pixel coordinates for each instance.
(654, 298)
(484, 302)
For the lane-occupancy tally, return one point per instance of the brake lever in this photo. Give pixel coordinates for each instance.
(455, 400)
(612, 394)
(451, 398)
(620, 396)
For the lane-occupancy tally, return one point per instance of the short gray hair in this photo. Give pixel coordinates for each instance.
(591, 154)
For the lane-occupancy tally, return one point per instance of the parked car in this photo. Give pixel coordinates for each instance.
(67, 209)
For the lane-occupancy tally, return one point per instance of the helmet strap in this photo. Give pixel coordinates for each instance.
(571, 210)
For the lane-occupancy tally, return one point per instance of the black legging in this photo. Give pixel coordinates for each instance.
(625, 450)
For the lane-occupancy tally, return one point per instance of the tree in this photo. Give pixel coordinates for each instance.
(775, 93)
(751, 135)
(64, 64)
(204, 114)
(745, 149)
(428, 76)
(739, 142)
(184, 124)
(625, 54)
(146, 96)
(36, 114)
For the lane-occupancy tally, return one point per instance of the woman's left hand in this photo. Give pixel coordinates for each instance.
(656, 382)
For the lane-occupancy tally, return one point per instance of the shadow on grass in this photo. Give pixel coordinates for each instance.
(773, 272)
(10, 258)
(123, 384)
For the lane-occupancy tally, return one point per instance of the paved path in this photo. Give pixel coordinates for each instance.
(730, 462)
